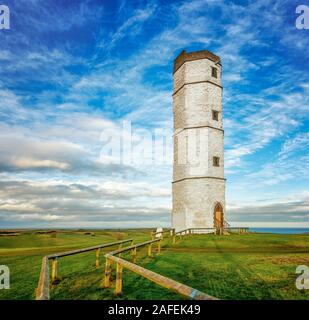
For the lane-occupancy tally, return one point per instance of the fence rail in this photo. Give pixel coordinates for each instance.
(190, 231)
(204, 230)
(71, 252)
(42, 291)
(161, 233)
(135, 246)
(187, 231)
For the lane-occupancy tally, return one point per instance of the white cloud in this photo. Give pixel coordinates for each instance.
(30, 164)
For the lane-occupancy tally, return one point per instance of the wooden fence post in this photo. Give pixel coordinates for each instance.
(97, 258)
(134, 254)
(119, 247)
(118, 289)
(55, 270)
(107, 273)
(149, 250)
(159, 246)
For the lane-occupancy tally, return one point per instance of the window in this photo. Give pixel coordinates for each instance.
(215, 115)
(214, 72)
(216, 161)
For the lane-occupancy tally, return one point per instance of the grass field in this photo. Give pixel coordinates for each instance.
(248, 266)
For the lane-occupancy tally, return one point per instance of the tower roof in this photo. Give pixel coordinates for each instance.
(196, 55)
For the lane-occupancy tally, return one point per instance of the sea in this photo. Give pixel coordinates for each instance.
(281, 230)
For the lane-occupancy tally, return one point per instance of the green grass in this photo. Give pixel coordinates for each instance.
(251, 266)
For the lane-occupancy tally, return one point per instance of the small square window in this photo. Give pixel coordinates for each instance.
(214, 72)
(215, 115)
(216, 161)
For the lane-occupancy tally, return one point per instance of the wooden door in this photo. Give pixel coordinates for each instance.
(218, 216)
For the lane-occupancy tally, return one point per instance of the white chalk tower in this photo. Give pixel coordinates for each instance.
(198, 172)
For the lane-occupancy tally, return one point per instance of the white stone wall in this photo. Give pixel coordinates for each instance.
(194, 201)
(194, 150)
(193, 105)
(195, 71)
(198, 185)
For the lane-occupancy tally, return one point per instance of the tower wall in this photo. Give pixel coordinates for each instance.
(198, 184)
(194, 201)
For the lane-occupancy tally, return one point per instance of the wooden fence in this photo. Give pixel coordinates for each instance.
(239, 230)
(133, 250)
(190, 231)
(161, 233)
(42, 291)
(162, 281)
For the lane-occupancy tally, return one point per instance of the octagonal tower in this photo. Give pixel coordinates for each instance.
(198, 171)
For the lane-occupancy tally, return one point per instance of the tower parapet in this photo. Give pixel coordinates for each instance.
(197, 55)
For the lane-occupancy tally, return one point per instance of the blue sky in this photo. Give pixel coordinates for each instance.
(72, 72)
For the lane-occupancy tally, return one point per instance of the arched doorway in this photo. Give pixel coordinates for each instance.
(218, 217)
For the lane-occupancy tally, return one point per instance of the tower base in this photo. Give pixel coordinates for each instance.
(195, 201)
